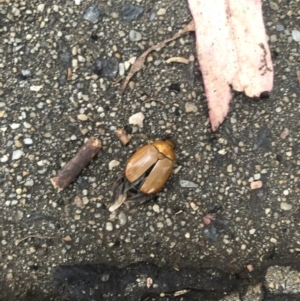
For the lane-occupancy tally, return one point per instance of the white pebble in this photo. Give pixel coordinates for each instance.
(161, 11)
(187, 235)
(137, 119)
(112, 164)
(15, 126)
(187, 184)
(29, 182)
(252, 231)
(17, 154)
(155, 208)
(285, 206)
(160, 225)
(4, 158)
(273, 240)
(296, 35)
(109, 226)
(27, 141)
(27, 125)
(121, 69)
(256, 176)
(134, 36)
(41, 7)
(122, 218)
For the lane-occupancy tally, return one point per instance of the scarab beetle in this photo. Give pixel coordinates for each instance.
(159, 155)
(146, 172)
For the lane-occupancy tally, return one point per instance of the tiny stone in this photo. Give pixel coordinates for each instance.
(285, 206)
(15, 126)
(18, 143)
(187, 184)
(161, 12)
(252, 231)
(112, 164)
(190, 107)
(187, 235)
(82, 117)
(121, 69)
(137, 119)
(296, 35)
(92, 14)
(41, 7)
(229, 168)
(155, 208)
(17, 154)
(78, 202)
(256, 176)
(134, 36)
(131, 12)
(273, 240)
(284, 133)
(256, 184)
(109, 226)
(160, 225)
(27, 141)
(4, 158)
(122, 218)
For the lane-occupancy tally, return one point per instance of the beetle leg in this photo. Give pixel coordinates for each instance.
(118, 193)
(140, 197)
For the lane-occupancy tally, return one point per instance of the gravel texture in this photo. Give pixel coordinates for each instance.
(61, 64)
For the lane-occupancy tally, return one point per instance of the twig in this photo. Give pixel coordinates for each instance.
(33, 236)
(139, 63)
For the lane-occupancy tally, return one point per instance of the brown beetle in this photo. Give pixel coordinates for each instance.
(146, 172)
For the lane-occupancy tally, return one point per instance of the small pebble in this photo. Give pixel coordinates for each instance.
(27, 141)
(285, 206)
(82, 117)
(137, 119)
(284, 133)
(160, 225)
(41, 7)
(134, 36)
(190, 107)
(296, 35)
(256, 184)
(109, 226)
(17, 154)
(122, 218)
(156, 208)
(188, 184)
(112, 164)
(252, 231)
(161, 12)
(15, 126)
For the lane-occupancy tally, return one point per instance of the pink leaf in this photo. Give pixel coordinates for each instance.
(232, 51)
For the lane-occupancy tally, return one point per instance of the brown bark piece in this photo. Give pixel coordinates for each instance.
(123, 136)
(72, 169)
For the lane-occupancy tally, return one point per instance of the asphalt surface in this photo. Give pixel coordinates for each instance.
(46, 117)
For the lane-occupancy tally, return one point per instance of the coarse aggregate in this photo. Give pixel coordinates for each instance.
(45, 117)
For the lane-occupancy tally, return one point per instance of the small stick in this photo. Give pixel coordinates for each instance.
(72, 169)
(33, 236)
(139, 63)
